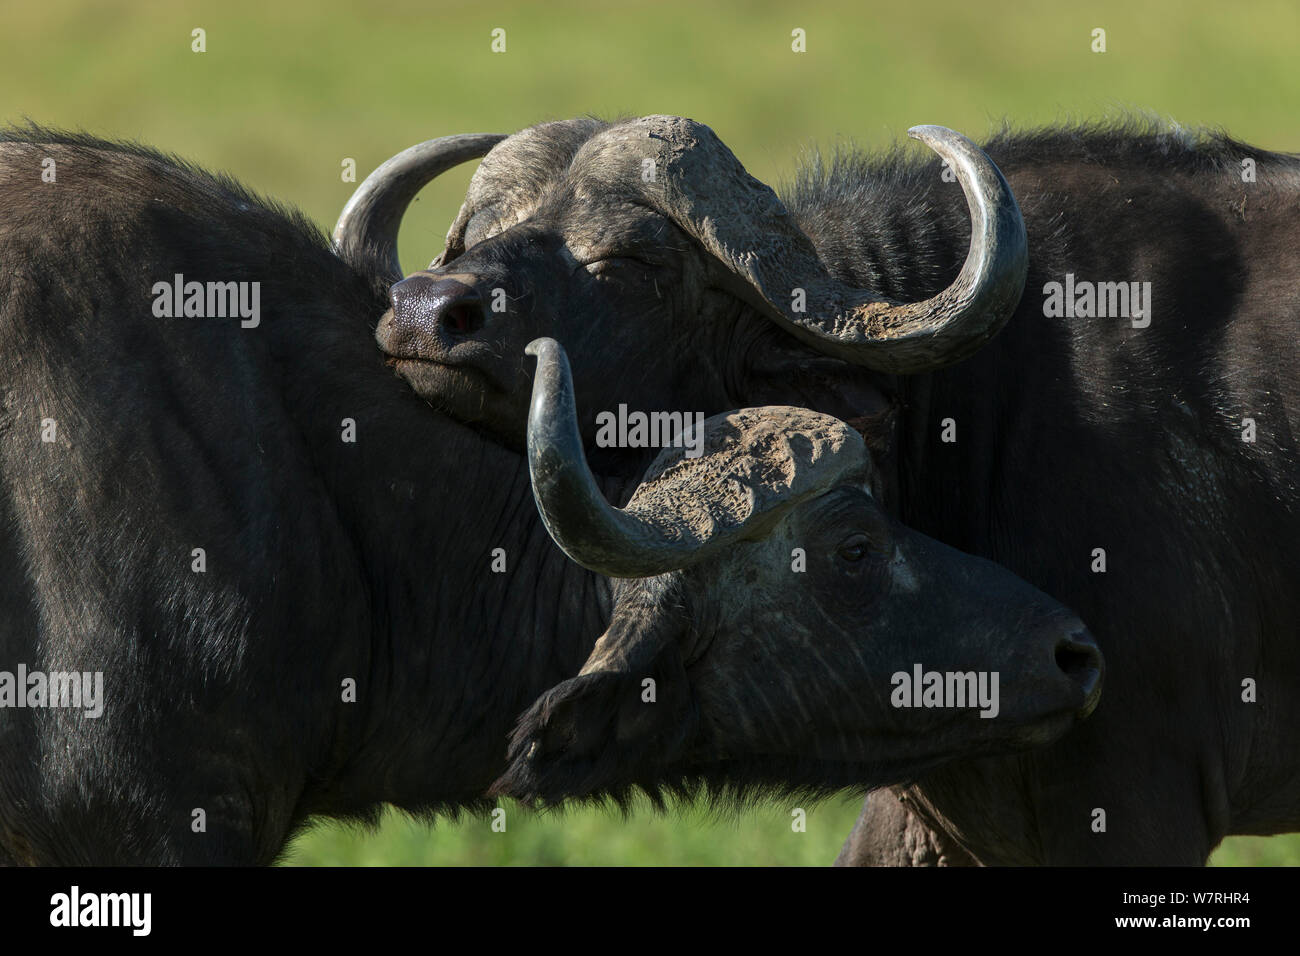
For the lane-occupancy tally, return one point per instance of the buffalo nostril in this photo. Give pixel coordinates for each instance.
(462, 317)
(1080, 659)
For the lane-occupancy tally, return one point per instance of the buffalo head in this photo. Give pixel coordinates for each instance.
(667, 270)
(777, 627)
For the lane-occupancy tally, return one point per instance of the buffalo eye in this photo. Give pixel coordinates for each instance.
(621, 266)
(854, 548)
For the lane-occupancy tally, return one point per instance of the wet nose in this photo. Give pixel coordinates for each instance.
(1079, 658)
(436, 306)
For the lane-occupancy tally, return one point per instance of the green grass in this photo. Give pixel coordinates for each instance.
(287, 90)
(590, 838)
(761, 837)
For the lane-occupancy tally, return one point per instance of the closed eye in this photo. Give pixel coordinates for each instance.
(626, 257)
(628, 266)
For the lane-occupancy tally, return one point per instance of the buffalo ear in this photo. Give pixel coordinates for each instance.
(583, 716)
(563, 745)
(598, 733)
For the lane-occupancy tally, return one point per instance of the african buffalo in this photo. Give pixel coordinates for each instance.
(247, 575)
(1125, 443)
(760, 569)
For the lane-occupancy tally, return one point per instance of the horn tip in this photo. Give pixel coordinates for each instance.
(928, 132)
(539, 345)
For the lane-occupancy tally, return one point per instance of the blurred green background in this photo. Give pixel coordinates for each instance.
(286, 91)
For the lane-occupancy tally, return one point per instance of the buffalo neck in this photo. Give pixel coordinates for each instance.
(470, 611)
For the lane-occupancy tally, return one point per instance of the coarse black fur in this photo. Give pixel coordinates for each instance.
(326, 561)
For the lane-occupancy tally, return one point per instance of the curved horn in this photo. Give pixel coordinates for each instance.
(742, 223)
(756, 464)
(374, 213)
(956, 323)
